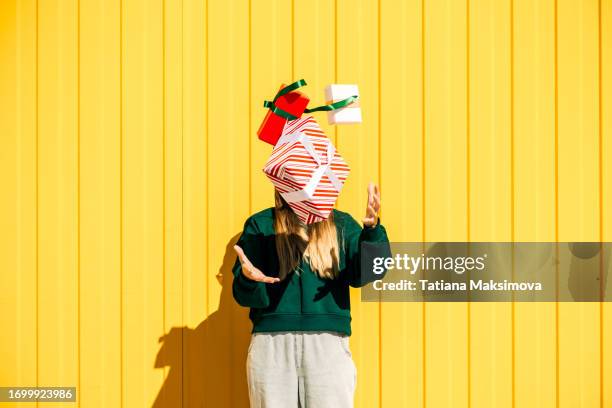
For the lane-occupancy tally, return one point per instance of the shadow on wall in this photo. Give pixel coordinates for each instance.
(207, 364)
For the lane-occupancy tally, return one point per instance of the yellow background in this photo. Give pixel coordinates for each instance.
(129, 162)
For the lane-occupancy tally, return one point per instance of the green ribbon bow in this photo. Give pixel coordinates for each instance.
(292, 87)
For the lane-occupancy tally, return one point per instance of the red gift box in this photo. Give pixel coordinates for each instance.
(294, 103)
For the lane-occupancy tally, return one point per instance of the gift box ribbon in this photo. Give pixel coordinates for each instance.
(335, 105)
(323, 169)
(298, 84)
(354, 104)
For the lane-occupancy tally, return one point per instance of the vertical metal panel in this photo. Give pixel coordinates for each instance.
(58, 217)
(605, 143)
(446, 196)
(100, 203)
(578, 191)
(534, 191)
(401, 109)
(490, 191)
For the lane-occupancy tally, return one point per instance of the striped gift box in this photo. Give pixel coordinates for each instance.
(307, 170)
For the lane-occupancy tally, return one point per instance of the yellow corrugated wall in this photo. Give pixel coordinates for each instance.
(129, 162)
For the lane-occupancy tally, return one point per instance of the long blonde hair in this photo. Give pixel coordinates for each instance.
(316, 243)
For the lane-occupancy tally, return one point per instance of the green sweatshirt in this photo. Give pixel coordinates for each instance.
(302, 301)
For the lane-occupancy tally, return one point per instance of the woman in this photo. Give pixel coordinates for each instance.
(296, 279)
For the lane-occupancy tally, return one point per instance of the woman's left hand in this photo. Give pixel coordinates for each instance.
(373, 206)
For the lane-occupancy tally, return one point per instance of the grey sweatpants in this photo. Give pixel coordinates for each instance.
(300, 369)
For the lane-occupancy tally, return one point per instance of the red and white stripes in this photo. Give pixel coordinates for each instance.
(307, 170)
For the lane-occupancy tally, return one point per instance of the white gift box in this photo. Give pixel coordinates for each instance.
(348, 114)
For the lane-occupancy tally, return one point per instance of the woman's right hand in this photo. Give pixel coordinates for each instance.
(250, 271)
